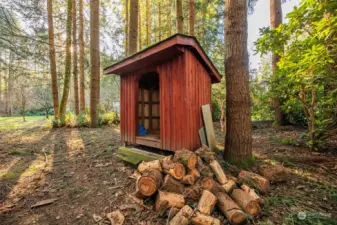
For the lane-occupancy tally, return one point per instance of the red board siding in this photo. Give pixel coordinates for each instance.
(185, 85)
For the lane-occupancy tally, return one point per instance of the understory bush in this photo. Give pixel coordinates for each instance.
(83, 119)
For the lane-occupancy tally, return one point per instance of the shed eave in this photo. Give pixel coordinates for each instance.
(166, 48)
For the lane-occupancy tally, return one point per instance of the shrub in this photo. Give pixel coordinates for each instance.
(83, 120)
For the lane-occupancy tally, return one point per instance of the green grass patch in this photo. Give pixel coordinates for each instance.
(18, 152)
(10, 124)
(274, 201)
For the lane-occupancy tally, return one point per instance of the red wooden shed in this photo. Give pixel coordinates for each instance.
(163, 88)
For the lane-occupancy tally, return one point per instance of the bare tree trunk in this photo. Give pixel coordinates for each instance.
(126, 26)
(191, 9)
(81, 40)
(238, 143)
(180, 17)
(139, 28)
(52, 59)
(275, 21)
(148, 23)
(95, 60)
(133, 27)
(75, 68)
(67, 73)
(10, 86)
(168, 18)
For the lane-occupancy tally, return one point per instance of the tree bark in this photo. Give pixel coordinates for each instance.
(75, 68)
(148, 23)
(65, 94)
(238, 141)
(201, 219)
(133, 27)
(152, 165)
(95, 60)
(219, 173)
(246, 201)
(275, 21)
(191, 9)
(187, 158)
(127, 21)
(254, 180)
(52, 60)
(180, 17)
(231, 210)
(81, 61)
(172, 185)
(172, 199)
(139, 28)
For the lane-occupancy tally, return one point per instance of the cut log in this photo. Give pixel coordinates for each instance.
(219, 173)
(248, 203)
(135, 156)
(205, 170)
(173, 199)
(152, 165)
(195, 173)
(231, 210)
(206, 154)
(192, 192)
(207, 183)
(176, 170)
(254, 180)
(172, 212)
(276, 174)
(229, 186)
(202, 219)
(183, 216)
(172, 185)
(207, 202)
(187, 158)
(252, 193)
(188, 179)
(149, 182)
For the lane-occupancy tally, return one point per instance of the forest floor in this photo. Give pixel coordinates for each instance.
(77, 169)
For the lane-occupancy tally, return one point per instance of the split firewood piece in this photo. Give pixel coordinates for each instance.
(206, 154)
(187, 158)
(172, 212)
(205, 170)
(176, 170)
(183, 216)
(173, 200)
(152, 165)
(188, 179)
(219, 173)
(254, 180)
(252, 193)
(207, 202)
(172, 185)
(248, 203)
(202, 219)
(192, 192)
(277, 173)
(149, 182)
(229, 186)
(209, 184)
(231, 210)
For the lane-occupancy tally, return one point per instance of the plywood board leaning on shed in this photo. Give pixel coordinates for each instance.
(210, 134)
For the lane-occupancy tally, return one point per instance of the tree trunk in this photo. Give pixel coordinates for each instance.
(180, 17)
(10, 86)
(191, 3)
(75, 68)
(148, 23)
(139, 28)
(52, 60)
(275, 21)
(95, 60)
(159, 21)
(133, 27)
(65, 94)
(238, 143)
(127, 19)
(81, 42)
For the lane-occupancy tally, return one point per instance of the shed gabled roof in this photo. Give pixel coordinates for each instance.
(162, 51)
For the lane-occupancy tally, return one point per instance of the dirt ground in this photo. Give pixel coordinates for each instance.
(79, 170)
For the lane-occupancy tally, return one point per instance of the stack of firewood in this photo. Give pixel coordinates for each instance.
(196, 177)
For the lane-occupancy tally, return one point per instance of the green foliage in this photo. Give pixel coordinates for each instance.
(216, 110)
(286, 141)
(307, 70)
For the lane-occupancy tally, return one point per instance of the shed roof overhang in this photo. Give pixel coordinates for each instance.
(162, 51)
